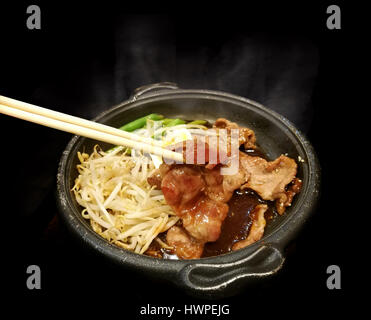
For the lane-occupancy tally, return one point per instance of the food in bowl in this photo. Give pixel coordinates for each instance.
(190, 210)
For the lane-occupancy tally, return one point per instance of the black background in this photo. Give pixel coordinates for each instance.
(87, 58)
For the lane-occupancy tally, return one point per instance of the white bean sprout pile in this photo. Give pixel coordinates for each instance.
(118, 201)
(116, 198)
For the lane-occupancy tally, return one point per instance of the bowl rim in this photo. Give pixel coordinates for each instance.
(278, 237)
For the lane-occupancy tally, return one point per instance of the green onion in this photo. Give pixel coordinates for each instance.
(166, 121)
(141, 122)
(137, 124)
(175, 122)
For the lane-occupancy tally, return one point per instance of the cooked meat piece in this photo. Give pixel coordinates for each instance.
(214, 185)
(197, 151)
(201, 146)
(185, 246)
(181, 185)
(268, 179)
(186, 189)
(286, 197)
(155, 179)
(221, 187)
(164, 169)
(257, 227)
(235, 181)
(203, 220)
(246, 135)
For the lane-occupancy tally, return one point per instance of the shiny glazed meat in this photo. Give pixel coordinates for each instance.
(187, 190)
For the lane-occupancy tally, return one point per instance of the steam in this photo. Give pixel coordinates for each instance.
(277, 71)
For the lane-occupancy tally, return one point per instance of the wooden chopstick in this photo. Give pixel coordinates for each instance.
(74, 120)
(89, 132)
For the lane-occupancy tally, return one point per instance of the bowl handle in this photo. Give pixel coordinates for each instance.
(150, 88)
(211, 278)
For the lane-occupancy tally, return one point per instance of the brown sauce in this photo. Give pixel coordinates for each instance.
(237, 224)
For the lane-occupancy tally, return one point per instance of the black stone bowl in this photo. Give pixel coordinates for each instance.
(226, 274)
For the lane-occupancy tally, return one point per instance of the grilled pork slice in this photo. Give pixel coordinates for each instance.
(184, 245)
(246, 135)
(269, 179)
(184, 188)
(257, 227)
